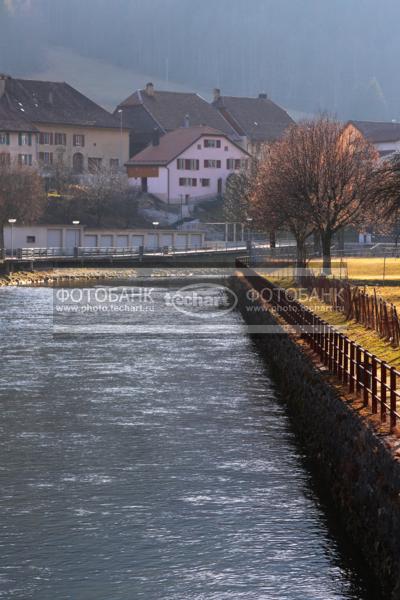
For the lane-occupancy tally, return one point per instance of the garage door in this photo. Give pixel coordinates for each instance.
(137, 241)
(106, 241)
(72, 238)
(181, 241)
(54, 237)
(122, 241)
(195, 241)
(90, 241)
(166, 239)
(152, 241)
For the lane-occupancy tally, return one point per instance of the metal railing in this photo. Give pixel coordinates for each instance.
(374, 380)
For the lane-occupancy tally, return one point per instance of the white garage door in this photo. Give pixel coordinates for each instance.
(122, 241)
(54, 237)
(106, 241)
(166, 239)
(152, 241)
(181, 241)
(137, 241)
(195, 241)
(90, 241)
(72, 238)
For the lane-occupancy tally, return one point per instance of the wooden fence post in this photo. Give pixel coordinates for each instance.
(374, 399)
(383, 391)
(393, 398)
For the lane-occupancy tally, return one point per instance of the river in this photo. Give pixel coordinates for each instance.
(153, 465)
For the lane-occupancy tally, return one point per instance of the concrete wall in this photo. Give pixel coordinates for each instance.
(358, 467)
(65, 236)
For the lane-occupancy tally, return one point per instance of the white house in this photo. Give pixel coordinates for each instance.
(385, 136)
(190, 163)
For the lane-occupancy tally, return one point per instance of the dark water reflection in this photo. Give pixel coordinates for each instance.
(153, 467)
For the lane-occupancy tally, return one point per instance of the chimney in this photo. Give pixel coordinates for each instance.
(263, 96)
(3, 82)
(217, 94)
(156, 137)
(150, 89)
(186, 122)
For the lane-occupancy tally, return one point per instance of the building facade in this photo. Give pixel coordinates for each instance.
(44, 123)
(385, 136)
(191, 163)
(68, 237)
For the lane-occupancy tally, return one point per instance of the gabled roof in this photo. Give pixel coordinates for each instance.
(169, 110)
(378, 132)
(172, 144)
(12, 121)
(260, 119)
(49, 102)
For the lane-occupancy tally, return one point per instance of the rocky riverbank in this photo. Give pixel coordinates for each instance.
(64, 276)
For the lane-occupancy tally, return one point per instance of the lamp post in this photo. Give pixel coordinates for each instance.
(77, 236)
(155, 224)
(12, 221)
(120, 112)
(250, 239)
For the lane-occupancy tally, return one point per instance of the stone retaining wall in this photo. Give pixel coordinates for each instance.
(353, 460)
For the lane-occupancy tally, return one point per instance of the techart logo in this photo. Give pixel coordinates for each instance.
(203, 300)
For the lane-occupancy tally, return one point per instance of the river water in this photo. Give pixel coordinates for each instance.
(155, 465)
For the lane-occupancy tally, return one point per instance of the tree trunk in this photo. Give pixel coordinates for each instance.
(272, 239)
(326, 240)
(317, 242)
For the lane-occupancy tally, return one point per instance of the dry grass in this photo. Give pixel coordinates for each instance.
(367, 338)
(376, 269)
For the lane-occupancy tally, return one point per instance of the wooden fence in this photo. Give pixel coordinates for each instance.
(369, 310)
(375, 381)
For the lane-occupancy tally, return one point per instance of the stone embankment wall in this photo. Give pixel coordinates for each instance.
(358, 465)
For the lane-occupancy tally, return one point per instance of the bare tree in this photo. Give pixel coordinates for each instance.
(22, 195)
(319, 178)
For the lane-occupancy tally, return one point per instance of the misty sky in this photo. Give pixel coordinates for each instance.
(309, 55)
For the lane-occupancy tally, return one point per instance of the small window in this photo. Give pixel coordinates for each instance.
(205, 183)
(25, 159)
(30, 239)
(5, 159)
(25, 139)
(79, 140)
(46, 158)
(212, 143)
(60, 139)
(45, 138)
(188, 164)
(226, 148)
(212, 164)
(114, 164)
(4, 139)
(198, 146)
(187, 182)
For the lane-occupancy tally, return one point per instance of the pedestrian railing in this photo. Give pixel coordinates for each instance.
(375, 381)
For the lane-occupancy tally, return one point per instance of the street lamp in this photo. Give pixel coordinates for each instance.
(120, 112)
(250, 240)
(155, 224)
(75, 222)
(12, 221)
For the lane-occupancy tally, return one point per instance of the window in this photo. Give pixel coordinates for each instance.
(4, 139)
(205, 183)
(78, 163)
(94, 165)
(234, 164)
(46, 158)
(114, 164)
(212, 164)
(60, 139)
(187, 182)
(198, 146)
(226, 148)
(45, 138)
(5, 158)
(79, 140)
(188, 164)
(25, 139)
(30, 239)
(25, 159)
(212, 143)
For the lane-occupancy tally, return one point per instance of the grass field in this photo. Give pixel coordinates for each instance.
(377, 269)
(365, 337)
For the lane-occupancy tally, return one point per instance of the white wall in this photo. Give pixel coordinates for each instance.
(159, 185)
(101, 237)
